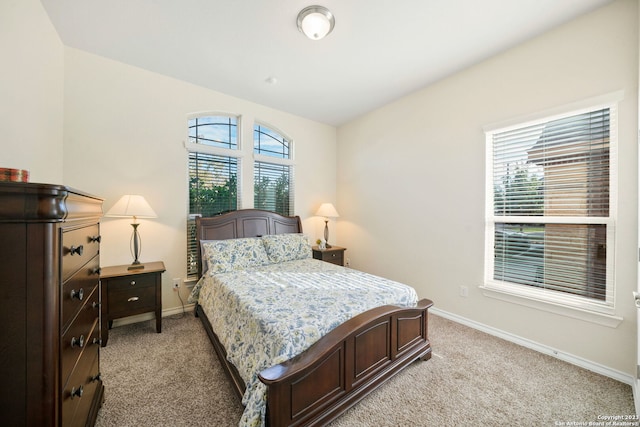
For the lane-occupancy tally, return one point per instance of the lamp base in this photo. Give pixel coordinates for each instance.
(135, 250)
(326, 233)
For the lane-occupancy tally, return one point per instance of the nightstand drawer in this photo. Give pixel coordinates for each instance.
(131, 300)
(334, 255)
(131, 282)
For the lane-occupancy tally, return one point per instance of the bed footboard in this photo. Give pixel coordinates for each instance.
(345, 365)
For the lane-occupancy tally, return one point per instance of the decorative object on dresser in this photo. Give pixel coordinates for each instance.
(14, 175)
(327, 211)
(334, 254)
(132, 206)
(49, 305)
(127, 292)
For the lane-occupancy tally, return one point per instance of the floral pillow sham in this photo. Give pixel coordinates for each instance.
(222, 256)
(286, 247)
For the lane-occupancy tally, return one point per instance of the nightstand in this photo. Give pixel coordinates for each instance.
(129, 292)
(334, 254)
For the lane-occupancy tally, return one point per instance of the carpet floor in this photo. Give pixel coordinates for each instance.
(175, 379)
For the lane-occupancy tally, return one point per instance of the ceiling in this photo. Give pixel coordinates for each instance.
(379, 50)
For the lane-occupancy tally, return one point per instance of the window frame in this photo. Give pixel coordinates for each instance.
(280, 161)
(539, 297)
(217, 114)
(246, 158)
(236, 153)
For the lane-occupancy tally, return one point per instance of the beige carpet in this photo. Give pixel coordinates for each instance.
(175, 379)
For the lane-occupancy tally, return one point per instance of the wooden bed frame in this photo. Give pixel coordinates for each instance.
(342, 367)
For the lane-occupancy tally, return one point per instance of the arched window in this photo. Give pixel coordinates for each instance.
(214, 162)
(216, 158)
(273, 170)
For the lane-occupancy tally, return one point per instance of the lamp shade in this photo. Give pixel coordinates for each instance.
(315, 22)
(327, 210)
(131, 205)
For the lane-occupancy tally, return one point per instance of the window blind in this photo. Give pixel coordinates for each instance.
(551, 204)
(558, 168)
(273, 187)
(213, 189)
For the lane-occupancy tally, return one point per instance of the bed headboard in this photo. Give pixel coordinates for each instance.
(243, 223)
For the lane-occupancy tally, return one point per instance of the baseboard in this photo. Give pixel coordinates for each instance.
(173, 311)
(569, 358)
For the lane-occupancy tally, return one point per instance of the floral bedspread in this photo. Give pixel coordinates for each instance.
(266, 315)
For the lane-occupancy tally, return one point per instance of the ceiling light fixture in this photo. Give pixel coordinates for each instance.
(316, 22)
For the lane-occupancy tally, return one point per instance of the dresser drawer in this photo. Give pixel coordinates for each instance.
(83, 333)
(78, 393)
(131, 301)
(79, 245)
(77, 289)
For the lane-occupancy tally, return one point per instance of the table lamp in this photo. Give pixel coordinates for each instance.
(327, 211)
(131, 205)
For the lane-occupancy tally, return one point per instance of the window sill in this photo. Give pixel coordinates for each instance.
(548, 306)
(190, 281)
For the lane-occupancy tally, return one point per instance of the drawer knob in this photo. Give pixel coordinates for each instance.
(96, 341)
(77, 341)
(96, 270)
(95, 304)
(76, 250)
(77, 392)
(133, 283)
(77, 294)
(96, 239)
(96, 377)
(133, 299)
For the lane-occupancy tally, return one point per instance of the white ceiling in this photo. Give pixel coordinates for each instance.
(379, 50)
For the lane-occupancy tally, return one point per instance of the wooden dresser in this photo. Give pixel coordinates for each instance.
(49, 306)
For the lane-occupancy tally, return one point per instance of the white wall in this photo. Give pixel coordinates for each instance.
(31, 91)
(424, 156)
(124, 133)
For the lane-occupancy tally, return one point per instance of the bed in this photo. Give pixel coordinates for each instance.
(308, 384)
